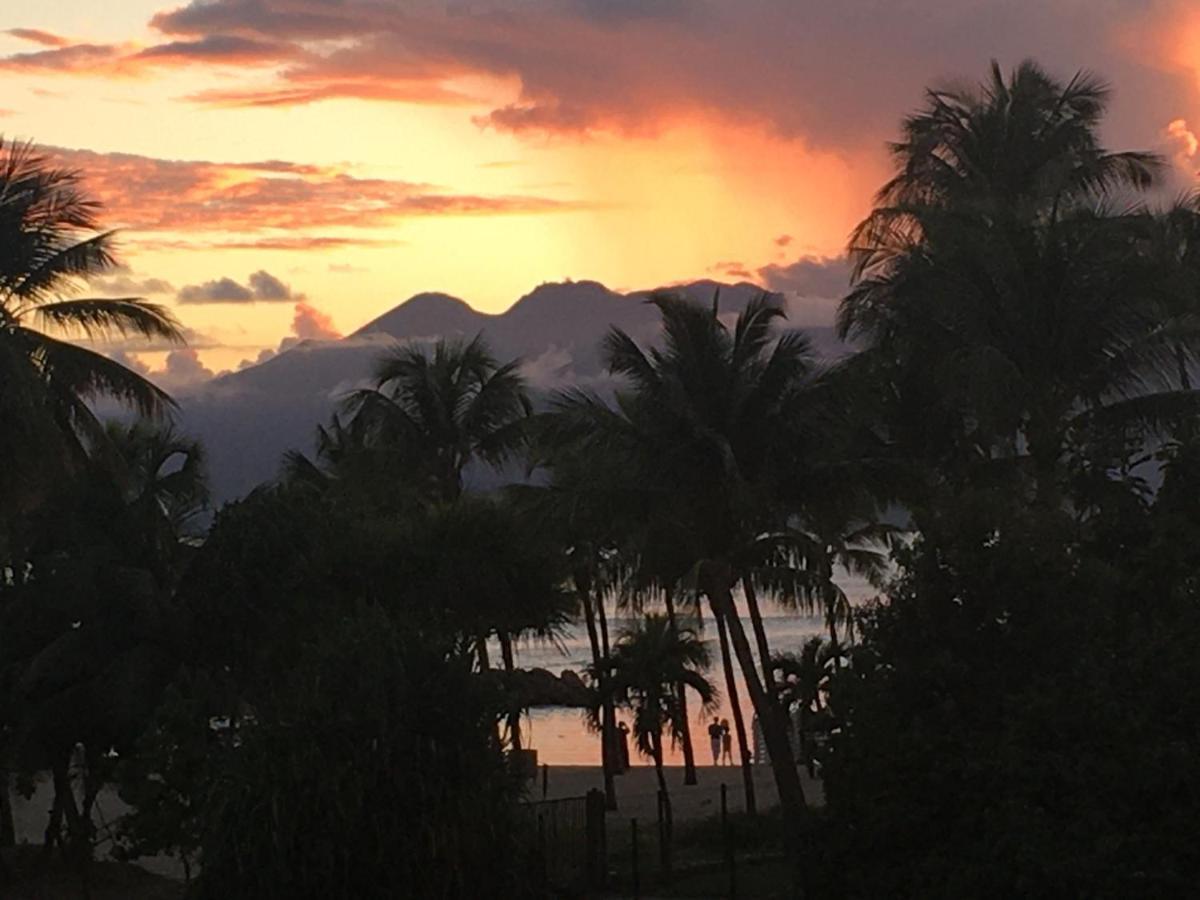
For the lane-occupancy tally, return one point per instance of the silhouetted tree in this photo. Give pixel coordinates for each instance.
(435, 413)
(650, 663)
(49, 247)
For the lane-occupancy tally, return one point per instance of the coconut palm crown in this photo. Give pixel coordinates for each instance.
(50, 246)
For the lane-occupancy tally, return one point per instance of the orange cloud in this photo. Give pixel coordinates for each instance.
(123, 60)
(298, 243)
(147, 194)
(732, 269)
(309, 323)
(72, 59)
(356, 89)
(1186, 139)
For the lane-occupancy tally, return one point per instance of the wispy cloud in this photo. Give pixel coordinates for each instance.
(272, 204)
(37, 36)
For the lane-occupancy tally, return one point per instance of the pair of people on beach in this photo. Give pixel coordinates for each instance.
(721, 741)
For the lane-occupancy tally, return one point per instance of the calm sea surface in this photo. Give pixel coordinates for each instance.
(561, 736)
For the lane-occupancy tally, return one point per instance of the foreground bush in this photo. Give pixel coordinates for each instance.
(370, 771)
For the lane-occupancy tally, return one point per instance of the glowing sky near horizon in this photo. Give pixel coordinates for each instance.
(360, 151)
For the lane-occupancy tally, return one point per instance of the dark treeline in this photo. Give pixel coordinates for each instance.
(303, 698)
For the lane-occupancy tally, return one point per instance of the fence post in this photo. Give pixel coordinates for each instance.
(664, 832)
(637, 882)
(727, 840)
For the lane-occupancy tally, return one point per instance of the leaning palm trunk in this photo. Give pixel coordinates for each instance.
(718, 586)
(760, 634)
(514, 712)
(685, 730)
(739, 723)
(607, 744)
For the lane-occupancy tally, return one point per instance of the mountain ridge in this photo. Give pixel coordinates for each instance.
(249, 418)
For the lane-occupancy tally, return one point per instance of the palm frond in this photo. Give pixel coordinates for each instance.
(97, 319)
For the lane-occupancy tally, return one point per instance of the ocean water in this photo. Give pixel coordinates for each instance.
(561, 736)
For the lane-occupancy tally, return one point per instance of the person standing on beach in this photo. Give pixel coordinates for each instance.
(623, 730)
(715, 734)
(726, 744)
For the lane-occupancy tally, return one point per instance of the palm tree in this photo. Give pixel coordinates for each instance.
(49, 248)
(1004, 285)
(1179, 245)
(162, 480)
(589, 521)
(484, 568)
(437, 413)
(804, 686)
(653, 569)
(700, 436)
(650, 663)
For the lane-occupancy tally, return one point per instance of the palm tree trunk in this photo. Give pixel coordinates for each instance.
(739, 723)
(718, 587)
(668, 820)
(514, 714)
(607, 744)
(760, 634)
(610, 714)
(685, 729)
(602, 617)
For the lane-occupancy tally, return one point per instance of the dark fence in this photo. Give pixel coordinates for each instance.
(572, 848)
(563, 842)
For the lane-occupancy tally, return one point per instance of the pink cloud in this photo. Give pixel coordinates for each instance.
(37, 36)
(309, 323)
(147, 194)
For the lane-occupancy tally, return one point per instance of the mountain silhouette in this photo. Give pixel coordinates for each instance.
(248, 419)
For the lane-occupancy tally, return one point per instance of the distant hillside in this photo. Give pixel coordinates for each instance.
(248, 419)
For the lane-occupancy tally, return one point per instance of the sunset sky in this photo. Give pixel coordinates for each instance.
(292, 168)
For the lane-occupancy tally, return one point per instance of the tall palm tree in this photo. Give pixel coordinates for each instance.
(650, 662)
(700, 435)
(1003, 284)
(49, 247)
(435, 413)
